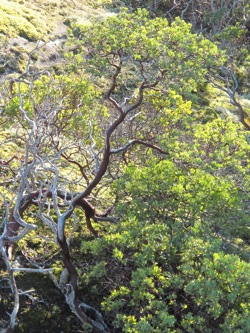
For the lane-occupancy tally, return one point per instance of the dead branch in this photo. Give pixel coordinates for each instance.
(228, 83)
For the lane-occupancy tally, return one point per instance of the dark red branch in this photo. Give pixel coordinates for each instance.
(140, 142)
(81, 168)
(9, 160)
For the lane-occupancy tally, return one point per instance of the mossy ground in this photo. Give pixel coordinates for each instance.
(33, 20)
(38, 29)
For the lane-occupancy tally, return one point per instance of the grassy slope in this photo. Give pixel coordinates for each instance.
(34, 19)
(23, 23)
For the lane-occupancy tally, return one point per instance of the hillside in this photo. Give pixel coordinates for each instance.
(39, 27)
(124, 166)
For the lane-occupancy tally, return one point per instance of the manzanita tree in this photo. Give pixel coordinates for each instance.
(178, 261)
(127, 76)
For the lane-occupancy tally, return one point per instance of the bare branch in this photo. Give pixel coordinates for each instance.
(228, 83)
(140, 142)
(32, 270)
(113, 84)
